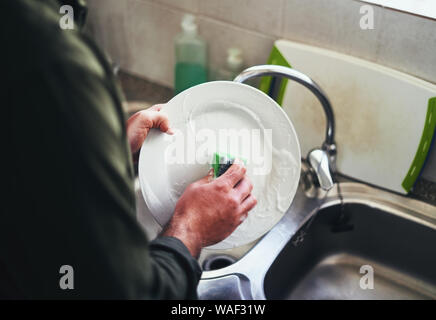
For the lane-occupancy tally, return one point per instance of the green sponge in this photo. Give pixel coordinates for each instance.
(221, 162)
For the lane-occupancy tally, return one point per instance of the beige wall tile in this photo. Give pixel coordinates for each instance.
(145, 46)
(186, 5)
(138, 35)
(259, 15)
(401, 41)
(331, 24)
(108, 24)
(221, 36)
(408, 43)
(151, 32)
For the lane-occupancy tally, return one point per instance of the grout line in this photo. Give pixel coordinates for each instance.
(397, 10)
(282, 20)
(252, 31)
(172, 7)
(379, 36)
(205, 16)
(239, 28)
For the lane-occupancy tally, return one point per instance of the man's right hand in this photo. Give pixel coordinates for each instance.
(210, 209)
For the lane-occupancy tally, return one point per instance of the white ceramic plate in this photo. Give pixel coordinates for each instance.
(227, 117)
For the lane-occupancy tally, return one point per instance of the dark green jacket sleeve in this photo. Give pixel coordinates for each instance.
(69, 198)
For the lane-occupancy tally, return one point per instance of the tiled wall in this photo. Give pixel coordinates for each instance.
(138, 34)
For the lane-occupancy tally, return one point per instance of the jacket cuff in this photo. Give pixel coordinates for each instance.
(177, 247)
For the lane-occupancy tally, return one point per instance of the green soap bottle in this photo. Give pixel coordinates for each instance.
(191, 56)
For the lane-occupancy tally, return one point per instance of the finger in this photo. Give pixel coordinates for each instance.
(233, 175)
(248, 204)
(155, 119)
(244, 188)
(156, 107)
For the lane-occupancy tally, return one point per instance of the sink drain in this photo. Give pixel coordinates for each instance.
(218, 262)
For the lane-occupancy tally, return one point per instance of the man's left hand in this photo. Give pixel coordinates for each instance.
(140, 124)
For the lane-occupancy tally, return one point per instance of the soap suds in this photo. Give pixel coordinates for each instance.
(272, 190)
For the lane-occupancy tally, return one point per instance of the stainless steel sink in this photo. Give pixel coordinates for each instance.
(319, 247)
(400, 252)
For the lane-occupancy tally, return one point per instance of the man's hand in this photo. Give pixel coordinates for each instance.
(210, 210)
(140, 124)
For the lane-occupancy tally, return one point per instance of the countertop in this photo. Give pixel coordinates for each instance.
(141, 93)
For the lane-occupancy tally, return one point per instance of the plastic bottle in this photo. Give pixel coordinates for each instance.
(234, 65)
(191, 56)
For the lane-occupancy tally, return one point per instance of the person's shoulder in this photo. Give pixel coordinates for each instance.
(34, 33)
(30, 19)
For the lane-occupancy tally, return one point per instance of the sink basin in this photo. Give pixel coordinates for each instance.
(323, 260)
(354, 242)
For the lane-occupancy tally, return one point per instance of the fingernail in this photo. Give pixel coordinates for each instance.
(239, 162)
(210, 175)
(170, 131)
(243, 217)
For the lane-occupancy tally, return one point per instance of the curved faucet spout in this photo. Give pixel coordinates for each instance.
(322, 161)
(301, 78)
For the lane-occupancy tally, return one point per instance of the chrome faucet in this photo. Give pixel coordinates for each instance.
(321, 160)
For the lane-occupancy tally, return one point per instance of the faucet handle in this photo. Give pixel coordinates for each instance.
(320, 163)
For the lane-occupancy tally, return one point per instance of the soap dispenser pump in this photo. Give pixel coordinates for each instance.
(191, 56)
